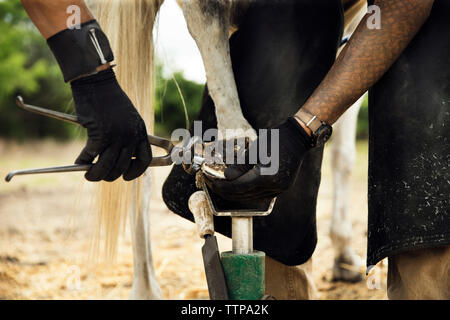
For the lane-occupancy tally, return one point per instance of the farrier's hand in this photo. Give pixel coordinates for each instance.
(253, 182)
(116, 131)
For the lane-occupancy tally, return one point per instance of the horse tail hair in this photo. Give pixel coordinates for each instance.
(353, 15)
(128, 25)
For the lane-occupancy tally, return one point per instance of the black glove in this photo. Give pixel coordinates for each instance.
(246, 182)
(115, 129)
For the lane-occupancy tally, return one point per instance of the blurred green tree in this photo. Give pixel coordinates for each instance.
(28, 67)
(177, 102)
(362, 130)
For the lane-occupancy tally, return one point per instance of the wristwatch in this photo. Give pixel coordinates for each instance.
(320, 130)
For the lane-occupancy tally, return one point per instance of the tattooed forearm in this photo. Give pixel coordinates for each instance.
(368, 55)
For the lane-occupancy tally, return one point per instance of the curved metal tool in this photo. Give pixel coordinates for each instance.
(165, 144)
(46, 112)
(72, 168)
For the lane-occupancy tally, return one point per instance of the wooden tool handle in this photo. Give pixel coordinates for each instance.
(198, 204)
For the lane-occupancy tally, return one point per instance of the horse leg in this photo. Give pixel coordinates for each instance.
(209, 24)
(346, 262)
(145, 286)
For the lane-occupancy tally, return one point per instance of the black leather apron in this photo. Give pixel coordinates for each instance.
(281, 53)
(409, 148)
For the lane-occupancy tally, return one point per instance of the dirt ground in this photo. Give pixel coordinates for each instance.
(45, 236)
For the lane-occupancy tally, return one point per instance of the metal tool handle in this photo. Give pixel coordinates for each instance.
(198, 205)
(159, 142)
(46, 112)
(72, 168)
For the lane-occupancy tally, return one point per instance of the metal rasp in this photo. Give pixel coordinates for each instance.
(215, 276)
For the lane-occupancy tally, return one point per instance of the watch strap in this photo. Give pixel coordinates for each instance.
(311, 121)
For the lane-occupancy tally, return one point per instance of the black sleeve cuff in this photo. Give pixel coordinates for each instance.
(81, 50)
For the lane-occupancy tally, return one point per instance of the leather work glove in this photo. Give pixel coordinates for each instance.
(116, 131)
(246, 182)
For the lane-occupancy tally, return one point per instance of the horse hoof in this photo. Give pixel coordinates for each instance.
(347, 270)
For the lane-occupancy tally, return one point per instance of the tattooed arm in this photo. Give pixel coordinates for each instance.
(367, 56)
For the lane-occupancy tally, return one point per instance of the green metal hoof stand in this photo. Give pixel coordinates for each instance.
(239, 275)
(244, 274)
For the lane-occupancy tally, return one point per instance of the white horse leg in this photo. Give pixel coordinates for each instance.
(145, 286)
(347, 262)
(209, 24)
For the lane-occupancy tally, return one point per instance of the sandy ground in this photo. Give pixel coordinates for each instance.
(45, 232)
